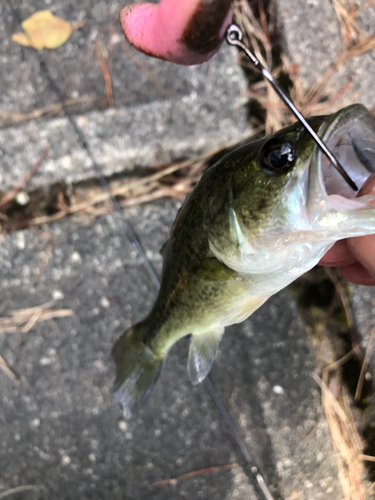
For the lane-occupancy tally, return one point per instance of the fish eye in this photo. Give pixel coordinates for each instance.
(277, 155)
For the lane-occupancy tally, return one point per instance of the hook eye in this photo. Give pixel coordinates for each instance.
(234, 34)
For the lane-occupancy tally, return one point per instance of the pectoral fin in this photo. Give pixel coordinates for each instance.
(244, 310)
(202, 352)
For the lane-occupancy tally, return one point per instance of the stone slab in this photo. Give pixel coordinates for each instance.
(75, 65)
(189, 110)
(60, 427)
(311, 37)
(121, 139)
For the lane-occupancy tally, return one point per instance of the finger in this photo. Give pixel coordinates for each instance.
(338, 255)
(357, 274)
(363, 247)
(181, 31)
(368, 187)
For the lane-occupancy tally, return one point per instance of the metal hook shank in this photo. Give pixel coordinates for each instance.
(234, 37)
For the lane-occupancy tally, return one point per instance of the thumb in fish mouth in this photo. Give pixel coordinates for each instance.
(363, 249)
(182, 31)
(355, 257)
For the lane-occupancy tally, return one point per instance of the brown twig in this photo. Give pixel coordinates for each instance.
(140, 188)
(313, 104)
(37, 113)
(364, 367)
(320, 87)
(11, 194)
(257, 34)
(344, 433)
(104, 63)
(350, 30)
(347, 310)
(23, 320)
(5, 368)
(189, 475)
(359, 48)
(346, 440)
(112, 35)
(19, 489)
(340, 362)
(370, 489)
(126, 190)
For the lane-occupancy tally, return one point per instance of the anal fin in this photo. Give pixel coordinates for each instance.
(202, 352)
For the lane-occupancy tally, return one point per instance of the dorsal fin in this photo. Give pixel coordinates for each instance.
(202, 353)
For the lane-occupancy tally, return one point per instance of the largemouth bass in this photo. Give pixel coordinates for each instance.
(258, 219)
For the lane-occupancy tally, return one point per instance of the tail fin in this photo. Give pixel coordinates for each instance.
(137, 370)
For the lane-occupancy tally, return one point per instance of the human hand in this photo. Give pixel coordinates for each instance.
(182, 31)
(355, 257)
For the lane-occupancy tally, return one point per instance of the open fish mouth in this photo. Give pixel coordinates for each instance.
(350, 136)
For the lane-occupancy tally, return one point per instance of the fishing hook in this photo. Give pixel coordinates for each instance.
(234, 37)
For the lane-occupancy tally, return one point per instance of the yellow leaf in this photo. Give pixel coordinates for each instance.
(43, 30)
(21, 39)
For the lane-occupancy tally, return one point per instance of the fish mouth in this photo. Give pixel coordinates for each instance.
(350, 136)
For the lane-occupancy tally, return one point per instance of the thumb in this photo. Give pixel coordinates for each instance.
(182, 31)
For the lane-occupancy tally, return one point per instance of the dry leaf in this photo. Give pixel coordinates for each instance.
(43, 30)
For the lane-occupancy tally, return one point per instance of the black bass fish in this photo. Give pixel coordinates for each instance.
(258, 219)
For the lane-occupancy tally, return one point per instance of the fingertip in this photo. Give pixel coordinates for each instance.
(136, 22)
(124, 11)
(185, 32)
(357, 274)
(123, 14)
(368, 187)
(363, 248)
(338, 255)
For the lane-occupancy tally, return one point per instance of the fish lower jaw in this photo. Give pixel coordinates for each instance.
(340, 203)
